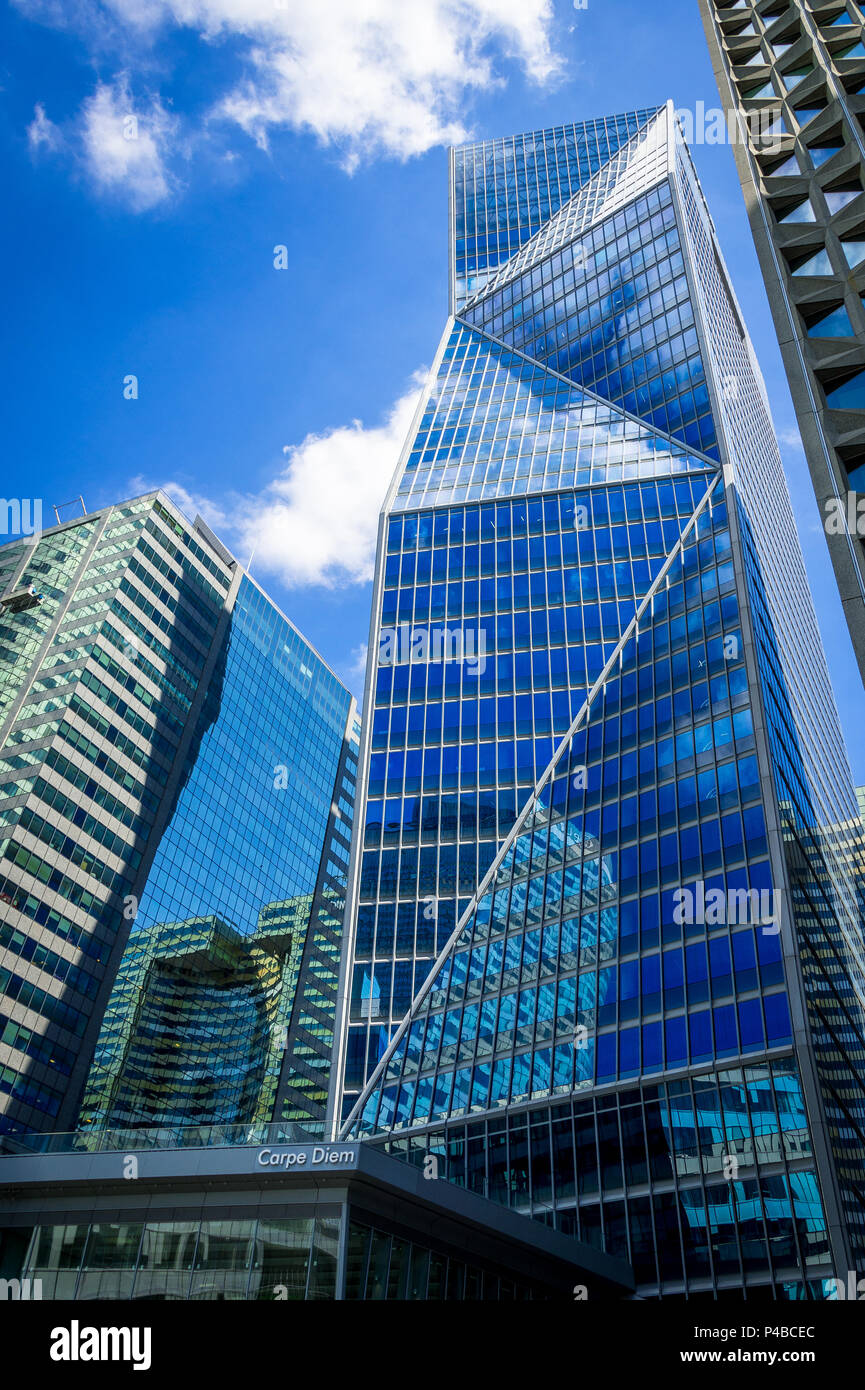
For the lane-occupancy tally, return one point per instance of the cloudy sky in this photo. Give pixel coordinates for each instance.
(156, 153)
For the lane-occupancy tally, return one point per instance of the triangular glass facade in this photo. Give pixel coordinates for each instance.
(611, 308)
(503, 191)
(607, 961)
(497, 424)
(553, 943)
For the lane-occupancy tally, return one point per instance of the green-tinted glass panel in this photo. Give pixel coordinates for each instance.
(356, 1260)
(379, 1264)
(54, 1257)
(759, 93)
(281, 1260)
(166, 1260)
(792, 79)
(322, 1271)
(110, 1258)
(222, 1261)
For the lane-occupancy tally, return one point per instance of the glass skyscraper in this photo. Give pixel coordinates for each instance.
(791, 74)
(606, 959)
(176, 794)
(194, 1033)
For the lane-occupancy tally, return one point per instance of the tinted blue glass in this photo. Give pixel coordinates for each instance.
(629, 922)
(242, 910)
(504, 190)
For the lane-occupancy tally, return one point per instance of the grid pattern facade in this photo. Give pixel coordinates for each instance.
(272, 1258)
(503, 191)
(700, 766)
(638, 165)
(553, 948)
(113, 678)
(258, 844)
(645, 1174)
(280, 1258)
(501, 425)
(455, 752)
(812, 783)
(804, 181)
(99, 677)
(382, 1266)
(613, 311)
(192, 1034)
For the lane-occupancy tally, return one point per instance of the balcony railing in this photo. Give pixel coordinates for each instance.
(160, 1137)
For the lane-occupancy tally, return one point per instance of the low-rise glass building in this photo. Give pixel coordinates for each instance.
(224, 1217)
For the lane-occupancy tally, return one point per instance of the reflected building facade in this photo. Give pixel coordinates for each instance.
(606, 956)
(176, 793)
(196, 1030)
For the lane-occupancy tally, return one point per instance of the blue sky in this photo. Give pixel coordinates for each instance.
(276, 400)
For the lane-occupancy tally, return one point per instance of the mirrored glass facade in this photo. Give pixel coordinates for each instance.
(278, 1259)
(284, 1259)
(177, 773)
(607, 935)
(503, 191)
(223, 1008)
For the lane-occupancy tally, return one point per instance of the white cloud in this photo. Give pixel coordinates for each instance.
(123, 147)
(42, 131)
(790, 439)
(371, 77)
(316, 523)
(379, 77)
(355, 668)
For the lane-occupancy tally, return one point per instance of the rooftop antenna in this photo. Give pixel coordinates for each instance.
(56, 507)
